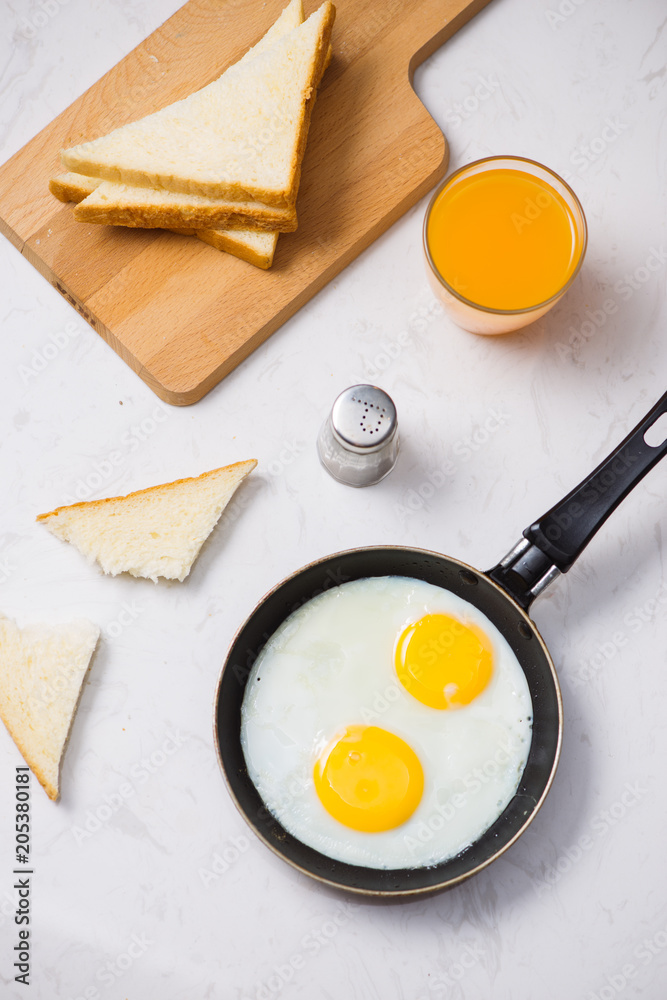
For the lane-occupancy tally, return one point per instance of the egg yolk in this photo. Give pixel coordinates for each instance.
(369, 779)
(442, 662)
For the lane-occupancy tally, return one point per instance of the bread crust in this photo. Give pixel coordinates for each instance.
(225, 242)
(320, 63)
(69, 187)
(76, 187)
(227, 216)
(250, 463)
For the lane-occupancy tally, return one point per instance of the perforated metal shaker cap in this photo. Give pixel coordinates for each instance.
(358, 443)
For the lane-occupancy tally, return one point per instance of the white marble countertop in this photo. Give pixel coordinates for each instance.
(122, 907)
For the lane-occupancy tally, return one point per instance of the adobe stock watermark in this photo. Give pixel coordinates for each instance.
(381, 703)
(46, 11)
(624, 288)
(222, 860)
(294, 790)
(371, 24)
(561, 521)
(7, 567)
(42, 358)
(288, 454)
(311, 944)
(472, 782)
(598, 828)
(254, 145)
(245, 660)
(105, 469)
(437, 646)
(648, 949)
(114, 969)
(332, 578)
(235, 507)
(462, 110)
(406, 163)
(635, 619)
(290, 450)
(391, 350)
(532, 210)
(139, 774)
(467, 959)
(128, 615)
(581, 158)
(59, 681)
(565, 10)
(416, 498)
(50, 690)
(590, 152)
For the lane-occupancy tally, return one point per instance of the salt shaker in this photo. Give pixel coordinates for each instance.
(358, 442)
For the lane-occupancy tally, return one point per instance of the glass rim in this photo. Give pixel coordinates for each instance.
(489, 309)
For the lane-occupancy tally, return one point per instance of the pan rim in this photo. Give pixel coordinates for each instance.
(409, 892)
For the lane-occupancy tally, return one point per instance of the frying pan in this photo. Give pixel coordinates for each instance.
(504, 593)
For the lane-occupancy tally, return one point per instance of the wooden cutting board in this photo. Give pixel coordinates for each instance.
(179, 312)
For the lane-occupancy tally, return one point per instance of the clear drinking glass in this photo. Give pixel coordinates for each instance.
(478, 318)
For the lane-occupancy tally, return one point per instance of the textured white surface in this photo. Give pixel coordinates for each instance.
(576, 909)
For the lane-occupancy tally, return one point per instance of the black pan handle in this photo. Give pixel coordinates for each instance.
(552, 544)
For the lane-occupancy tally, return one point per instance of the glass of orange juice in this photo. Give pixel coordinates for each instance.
(504, 239)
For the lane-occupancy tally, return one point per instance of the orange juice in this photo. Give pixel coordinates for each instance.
(504, 238)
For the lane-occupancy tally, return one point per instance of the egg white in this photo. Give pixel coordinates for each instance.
(331, 665)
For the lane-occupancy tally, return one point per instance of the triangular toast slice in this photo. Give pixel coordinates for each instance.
(117, 204)
(42, 669)
(252, 246)
(113, 203)
(154, 532)
(257, 248)
(124, 205)
(240, 138)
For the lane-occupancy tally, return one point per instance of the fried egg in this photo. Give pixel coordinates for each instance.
(386, 723)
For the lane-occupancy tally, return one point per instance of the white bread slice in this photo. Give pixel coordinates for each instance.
(154, 532)
(119, 204)
(254, 247)
(124, 205)
(291, 17)
(112, 203)
(42, 669)
(73, 187)
(240, 138)
(116, 204)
